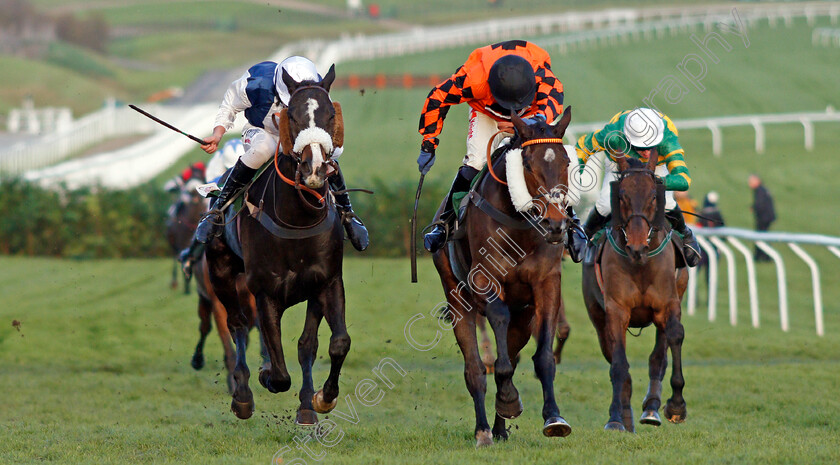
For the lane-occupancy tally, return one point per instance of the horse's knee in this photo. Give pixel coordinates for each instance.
(339, 345)
(563, 330)
(543, 360)
(674, 331)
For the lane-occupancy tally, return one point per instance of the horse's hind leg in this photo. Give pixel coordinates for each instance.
(474, 373)
(173, 284)
(508, 404)
(656, 364)
(229, 351)
(307, 350)
(675, 410)
(487, 356)
(204, 327)
(333, 308)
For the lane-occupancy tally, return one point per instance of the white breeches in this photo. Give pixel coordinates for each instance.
(259, 147)
(610, 174)
(479, 131)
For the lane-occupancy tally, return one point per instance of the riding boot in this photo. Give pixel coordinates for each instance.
(190, 255)
(577, 238)
(436, 238)
(356, 231)
(594, 223)
(691, 249)
(208, 228)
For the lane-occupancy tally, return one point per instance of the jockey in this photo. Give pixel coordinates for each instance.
(495, 80)
(179, 182)
(638, 133)
(259, 93)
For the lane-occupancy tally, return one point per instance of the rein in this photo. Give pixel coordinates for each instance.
(652, 253)
(651, 228)
(544, 140)
(296, 183)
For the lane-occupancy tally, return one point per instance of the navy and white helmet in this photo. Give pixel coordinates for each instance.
(300, 69)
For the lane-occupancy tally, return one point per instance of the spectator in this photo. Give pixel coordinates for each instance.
(712, 218)
(687, 205)
(765, 213)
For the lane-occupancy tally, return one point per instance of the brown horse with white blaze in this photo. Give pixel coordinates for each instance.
(514, 271)
(641, 286)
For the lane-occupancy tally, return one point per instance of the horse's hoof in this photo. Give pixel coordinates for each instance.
(320, 405)
(509, 410)
(242, 410)
(614, 426)
(556, 427)
(197, 361)
(306, 417)
(650, 417)
(675, 414)
(274, 386)
(483, 439)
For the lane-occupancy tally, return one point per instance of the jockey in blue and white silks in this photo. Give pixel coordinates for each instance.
(258, 94)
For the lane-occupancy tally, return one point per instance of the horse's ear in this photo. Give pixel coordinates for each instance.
(290, 82)
(328, 78)
(338, 129)
(284, 130)
(654, 159)
(621, 161)
(565, 119)
(521, 128)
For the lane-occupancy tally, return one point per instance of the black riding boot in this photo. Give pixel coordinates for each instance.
(594, 223)
(208, 228)
(691, 249)
(356, 231)
(577, 238)
(436, 238)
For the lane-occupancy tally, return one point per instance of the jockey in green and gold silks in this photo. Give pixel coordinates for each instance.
(640, 133)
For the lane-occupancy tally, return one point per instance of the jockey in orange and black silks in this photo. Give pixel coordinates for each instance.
(260, 93)
(640, 133)
(511, 76)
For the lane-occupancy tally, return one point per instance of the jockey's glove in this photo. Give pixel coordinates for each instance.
(426, 158)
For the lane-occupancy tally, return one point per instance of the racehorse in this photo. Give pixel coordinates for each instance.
(210, 309)
(291, 251)
(514, 271)
(640, 287)
(180, 226)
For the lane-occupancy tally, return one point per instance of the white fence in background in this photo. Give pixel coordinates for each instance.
(714, 240)
(826, 36)
(621, 21)
(714, 125)
(110, 121)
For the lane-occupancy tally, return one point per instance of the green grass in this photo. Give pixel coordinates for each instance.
(99, 373)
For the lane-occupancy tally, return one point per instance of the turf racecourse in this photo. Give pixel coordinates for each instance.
(98, 372)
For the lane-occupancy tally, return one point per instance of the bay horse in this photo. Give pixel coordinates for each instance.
(514, 271)
(640, 287)
(210, 309)
(181, 224)
(291, 251)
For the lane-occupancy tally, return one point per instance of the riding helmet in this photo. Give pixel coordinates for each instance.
(512, 82)
(644, 128)
(300, 69)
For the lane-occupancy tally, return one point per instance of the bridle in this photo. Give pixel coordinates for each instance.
(652, 228)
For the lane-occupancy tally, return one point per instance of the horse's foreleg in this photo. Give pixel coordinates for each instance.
(508, 404)
(656, 365)
(563, 330)
(474, 374)
(548, 306)
(675, 410)
(274, 376)
(518, 335)
(204, 327)
(333, 309)
(307, 350)
(617, 320)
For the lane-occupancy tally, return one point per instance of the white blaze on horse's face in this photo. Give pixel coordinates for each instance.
(549, 155)
(319, 142)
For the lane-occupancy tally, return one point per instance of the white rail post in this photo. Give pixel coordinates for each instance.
(815, 278)
(730, 277)
(713, 276)
(759, 135)
(717, 138)
(834, 250)
(809, 133)
(780, 272)
(692, 290)
(752, 283)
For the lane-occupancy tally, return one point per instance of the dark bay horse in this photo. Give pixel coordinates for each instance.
(211, 309)
(292, 246)
(640, 287)
(181, 224)
(514, 272)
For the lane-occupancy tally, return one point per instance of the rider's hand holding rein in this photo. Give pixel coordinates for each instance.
(212, 142)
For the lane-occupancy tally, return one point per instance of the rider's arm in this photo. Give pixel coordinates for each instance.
(549, 98)
(447, 93)
(235, 101)
(678, 178)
